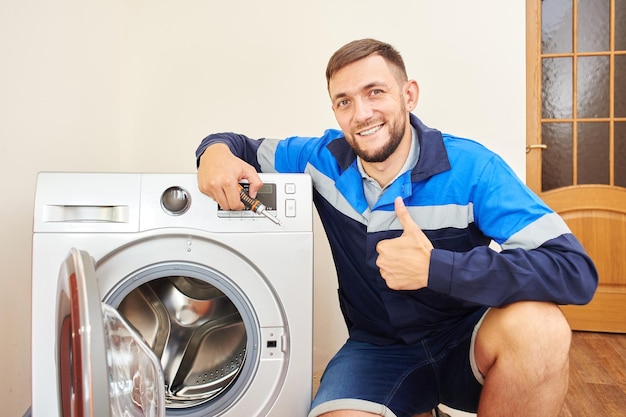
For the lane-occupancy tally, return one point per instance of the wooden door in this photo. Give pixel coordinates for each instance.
(576, 137)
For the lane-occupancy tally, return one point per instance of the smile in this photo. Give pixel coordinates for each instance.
(370, 131)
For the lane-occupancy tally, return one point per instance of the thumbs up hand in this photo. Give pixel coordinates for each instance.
(404, 261)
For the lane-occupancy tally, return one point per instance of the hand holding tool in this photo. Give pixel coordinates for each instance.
(255, 205)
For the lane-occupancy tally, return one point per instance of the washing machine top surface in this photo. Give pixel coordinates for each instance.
(134, 202)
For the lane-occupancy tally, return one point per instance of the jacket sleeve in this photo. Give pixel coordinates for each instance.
(540, 259)
(240, 145)
(290, 154)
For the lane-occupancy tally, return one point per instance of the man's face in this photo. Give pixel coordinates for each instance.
(370, 106)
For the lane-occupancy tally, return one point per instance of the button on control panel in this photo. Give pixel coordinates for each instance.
(290, 203)
(290, 207)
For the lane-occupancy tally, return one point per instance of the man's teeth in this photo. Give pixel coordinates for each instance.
(370, 131)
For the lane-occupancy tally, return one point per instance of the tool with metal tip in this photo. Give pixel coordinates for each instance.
(255, 205)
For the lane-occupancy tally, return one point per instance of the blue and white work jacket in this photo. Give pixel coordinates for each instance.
(462, 196)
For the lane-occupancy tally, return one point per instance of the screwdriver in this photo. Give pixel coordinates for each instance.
(255, 205)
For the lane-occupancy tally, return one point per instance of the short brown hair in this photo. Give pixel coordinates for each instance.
(359, 49)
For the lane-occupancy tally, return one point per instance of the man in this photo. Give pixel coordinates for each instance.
(434, 314)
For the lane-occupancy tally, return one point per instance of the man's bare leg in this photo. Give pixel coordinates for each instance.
(523, 352)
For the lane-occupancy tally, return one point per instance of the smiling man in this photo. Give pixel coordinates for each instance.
(434, 314)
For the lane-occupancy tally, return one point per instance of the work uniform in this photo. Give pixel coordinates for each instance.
(463, 197)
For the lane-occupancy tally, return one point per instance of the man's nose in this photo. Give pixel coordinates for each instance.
(362, 109)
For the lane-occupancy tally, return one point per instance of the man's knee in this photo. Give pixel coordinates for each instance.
(535, 334)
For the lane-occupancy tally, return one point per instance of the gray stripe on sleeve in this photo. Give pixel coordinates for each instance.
(547, 227)
(266, 154)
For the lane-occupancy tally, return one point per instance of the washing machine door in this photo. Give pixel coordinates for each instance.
(104, 369)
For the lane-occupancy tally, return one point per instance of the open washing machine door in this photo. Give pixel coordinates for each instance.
(104, 368)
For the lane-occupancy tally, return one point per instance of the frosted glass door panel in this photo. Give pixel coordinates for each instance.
(620, 154)
(556, 26)
(583, 93)
(593, 86)
(620, 25)
(620, 85)
(593, 32)
(557, 157)
(593, 153)
(557, 94)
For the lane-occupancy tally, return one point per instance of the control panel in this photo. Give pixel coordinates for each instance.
(267, 195)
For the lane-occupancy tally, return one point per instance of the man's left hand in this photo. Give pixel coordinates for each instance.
(404, 261)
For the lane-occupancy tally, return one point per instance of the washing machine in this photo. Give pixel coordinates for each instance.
(149, 299)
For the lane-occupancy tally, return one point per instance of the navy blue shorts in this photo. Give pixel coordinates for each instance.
(402, 380)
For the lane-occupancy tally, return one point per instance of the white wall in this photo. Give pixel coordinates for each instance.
(59, 110)
(132, 85)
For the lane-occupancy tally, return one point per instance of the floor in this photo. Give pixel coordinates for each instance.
(597, 377)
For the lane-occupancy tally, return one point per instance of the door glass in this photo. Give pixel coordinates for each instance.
(593, 153)
(593, 86)
(103, 364)
(557, 157)
(620, 85)
(583, 97)
(593, 32)
(137, 388)
(620, 154)
(557, 88)
(620, 25)
(556, 26)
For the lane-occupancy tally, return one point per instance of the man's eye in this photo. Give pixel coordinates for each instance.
(342, 103)
(375, 92)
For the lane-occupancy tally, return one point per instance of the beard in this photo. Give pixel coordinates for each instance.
(396, 133)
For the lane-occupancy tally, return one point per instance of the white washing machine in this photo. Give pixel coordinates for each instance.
(221, 301)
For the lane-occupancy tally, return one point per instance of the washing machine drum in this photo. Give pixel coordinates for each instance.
(104, 367)
(197, 332)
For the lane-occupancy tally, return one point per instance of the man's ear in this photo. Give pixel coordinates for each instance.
(411, 94)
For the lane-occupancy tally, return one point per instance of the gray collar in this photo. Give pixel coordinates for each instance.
(371, 188)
